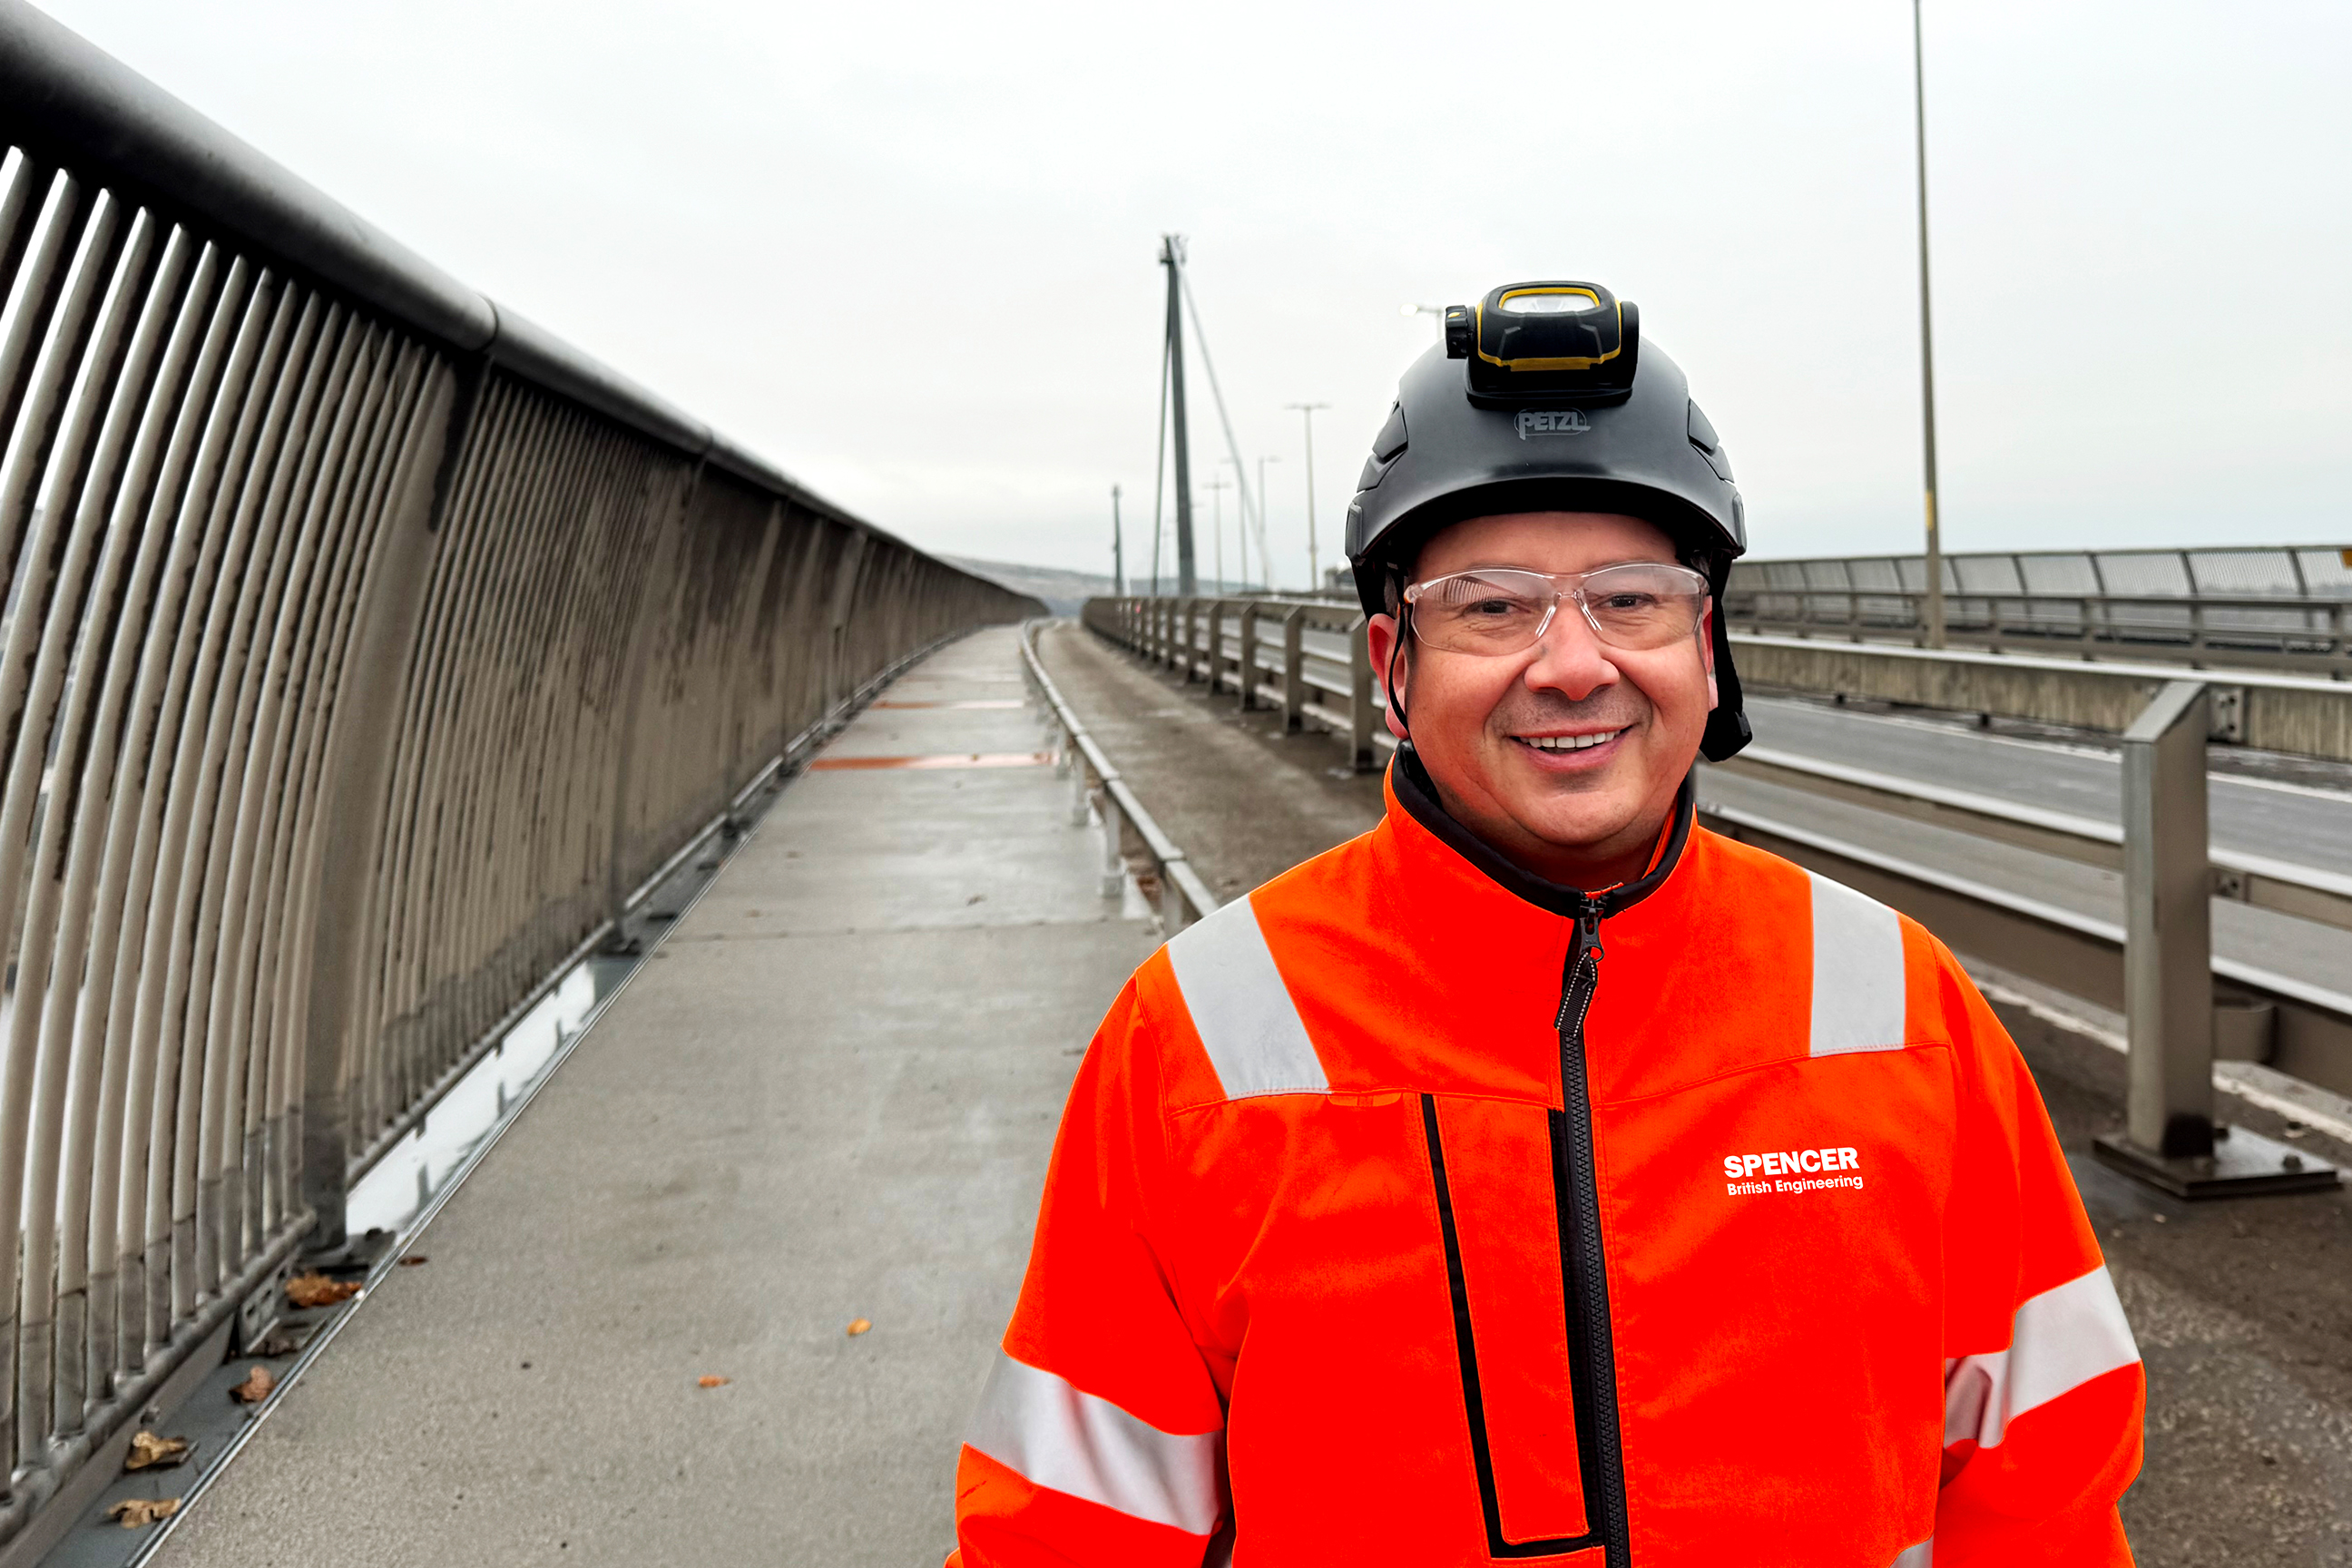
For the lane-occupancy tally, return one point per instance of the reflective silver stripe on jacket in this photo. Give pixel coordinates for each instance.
(2060, 1340)
(1857, 972)
(1919, 1556)
(1241, 1007)
(1073, 1442)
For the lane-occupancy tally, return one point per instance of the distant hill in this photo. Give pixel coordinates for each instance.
(1064, 591)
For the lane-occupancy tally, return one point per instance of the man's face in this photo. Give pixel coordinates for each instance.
(1586, 817)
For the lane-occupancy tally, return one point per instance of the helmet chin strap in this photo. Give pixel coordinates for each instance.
(1396, 649)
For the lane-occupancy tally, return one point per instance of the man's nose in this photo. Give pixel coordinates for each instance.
(1570, 659)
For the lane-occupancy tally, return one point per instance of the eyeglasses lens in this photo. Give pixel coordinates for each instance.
(1636, 606)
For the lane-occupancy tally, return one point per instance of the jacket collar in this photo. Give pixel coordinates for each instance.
(1410, 787)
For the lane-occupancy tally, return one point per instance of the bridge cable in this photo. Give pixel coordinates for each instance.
(1252, 515)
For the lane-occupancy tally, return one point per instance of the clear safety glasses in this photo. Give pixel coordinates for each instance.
(1502, 610)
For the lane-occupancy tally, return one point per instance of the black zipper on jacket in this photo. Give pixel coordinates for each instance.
(1584, 1275)
(1576, 1193)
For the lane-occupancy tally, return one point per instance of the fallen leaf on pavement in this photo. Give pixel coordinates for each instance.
(284, 1339)
(711, 1380)
(859, 1327)
(133, 1512)
(254, 1388)
(149, 1452)
(317, 1291)
(413, 1259)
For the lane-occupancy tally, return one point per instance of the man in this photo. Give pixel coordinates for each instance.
(1539, 1176)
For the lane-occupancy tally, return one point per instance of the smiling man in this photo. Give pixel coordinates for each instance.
(1541, 1177)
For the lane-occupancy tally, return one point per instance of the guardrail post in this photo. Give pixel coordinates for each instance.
(1247, 665)
(1171, 900)
(2170, 1140)
(2168, 950)
(1114, 858)
(1187, 636)
(1363, 711)
(1294, 668)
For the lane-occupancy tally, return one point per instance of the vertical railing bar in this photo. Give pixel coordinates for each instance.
(146, 630)
(250, 1216)
(72, 344)
(160, 706)
(171, 1261)
(287, 929)
(314, 521)
(199, 1156)
(388, 997)
(85, 567)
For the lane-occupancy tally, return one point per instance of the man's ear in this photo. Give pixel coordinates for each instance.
(1380, 642)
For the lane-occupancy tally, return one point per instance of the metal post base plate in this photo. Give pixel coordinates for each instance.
(2242, 1164)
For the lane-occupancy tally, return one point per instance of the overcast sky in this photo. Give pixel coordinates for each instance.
(908, 250)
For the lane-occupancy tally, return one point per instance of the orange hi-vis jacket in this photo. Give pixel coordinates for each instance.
(1415, 1211)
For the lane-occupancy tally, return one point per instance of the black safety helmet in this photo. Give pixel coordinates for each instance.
(1543, 398)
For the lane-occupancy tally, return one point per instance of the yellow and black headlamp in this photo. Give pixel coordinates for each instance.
(1554, 341)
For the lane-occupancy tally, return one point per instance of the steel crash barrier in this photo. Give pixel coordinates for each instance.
(1097, 792)
(2185, 1007)
(365, 650)
(2285, 608)
(1304, 657)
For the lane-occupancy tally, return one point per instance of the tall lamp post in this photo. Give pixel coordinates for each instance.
(1264, 565)
(1118, 550)
(1217, 488)
(1933, 627)
(1314, 568)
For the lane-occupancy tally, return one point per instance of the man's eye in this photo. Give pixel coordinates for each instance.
(1627, 601)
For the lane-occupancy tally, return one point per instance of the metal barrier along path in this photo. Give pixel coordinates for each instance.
(365, 650)
(1185, 898)
(1305, 657)
(2287, 607)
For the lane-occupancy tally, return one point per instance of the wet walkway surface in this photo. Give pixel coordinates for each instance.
(830, 1098)
(2243, 1308)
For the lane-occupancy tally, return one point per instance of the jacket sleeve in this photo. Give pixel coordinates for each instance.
(2044, 1387)
(1100, 1436)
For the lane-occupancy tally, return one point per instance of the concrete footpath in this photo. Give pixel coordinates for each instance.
(830, 1098)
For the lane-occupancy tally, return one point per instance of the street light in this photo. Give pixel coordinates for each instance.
(1314, 568)
(1264, 565)
(1118, 550)
(1241, 518)
(1217, 488)
(1935, 617)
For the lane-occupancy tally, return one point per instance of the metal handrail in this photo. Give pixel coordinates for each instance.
(1183, 896)
(1327, 684)
(2285, 631)
(2313, 572)
(365, 650)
